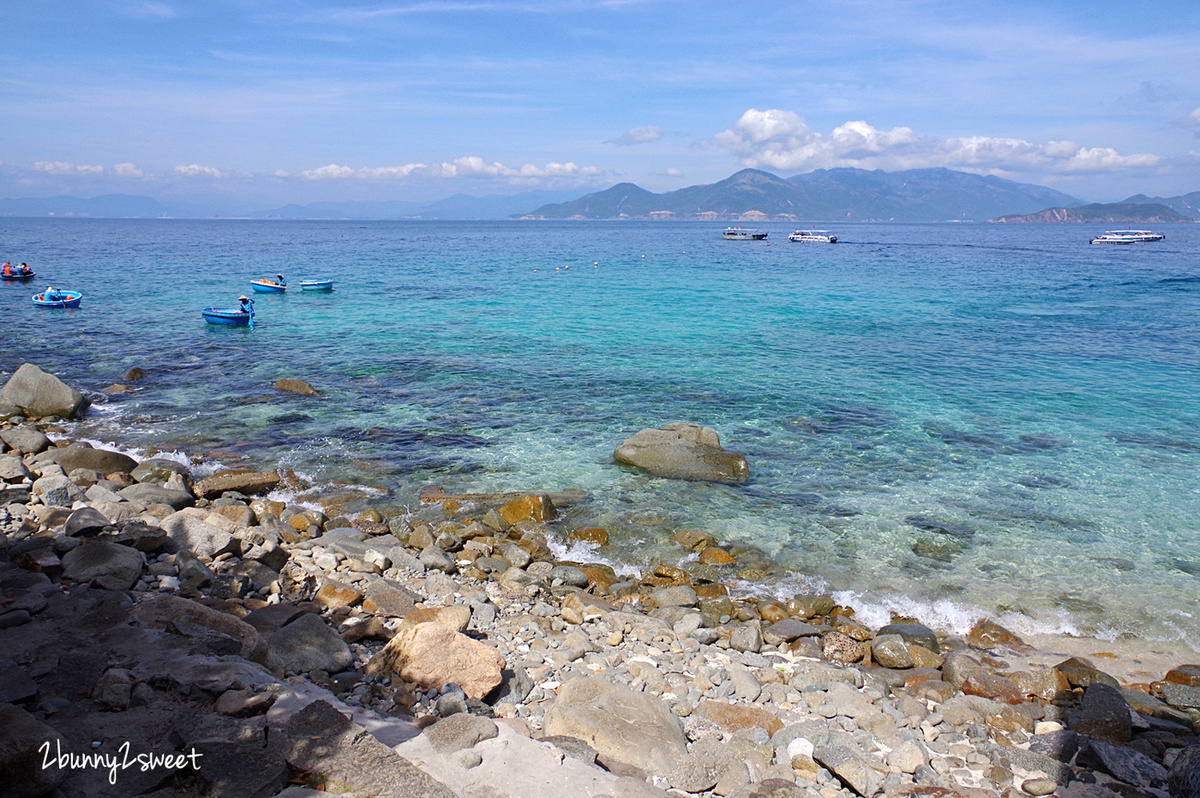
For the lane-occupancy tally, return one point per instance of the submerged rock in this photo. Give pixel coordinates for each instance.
(683, 451)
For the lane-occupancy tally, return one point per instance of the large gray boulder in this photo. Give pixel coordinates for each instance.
(78, 455)
(38, 393)
(109, 565)
(621, 725)
(683, 451)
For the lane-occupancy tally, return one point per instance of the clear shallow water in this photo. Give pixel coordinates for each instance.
(943, 420)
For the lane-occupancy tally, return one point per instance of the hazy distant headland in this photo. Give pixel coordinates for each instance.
(751, 195)
(1108, 213)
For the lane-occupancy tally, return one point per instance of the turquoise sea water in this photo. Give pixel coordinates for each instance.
(945, 420)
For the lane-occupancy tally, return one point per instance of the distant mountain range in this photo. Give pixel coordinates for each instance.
(126, 206)
(1109, 213)
(751, 195)
(916, 195)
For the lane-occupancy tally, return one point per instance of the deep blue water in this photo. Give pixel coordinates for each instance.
(948, 420)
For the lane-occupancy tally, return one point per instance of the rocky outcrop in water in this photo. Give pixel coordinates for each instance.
(36, 393)
(683, 451)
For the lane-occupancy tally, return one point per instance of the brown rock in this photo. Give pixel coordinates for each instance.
(334, 595)
(591, 534)
(711, 591)
(733, 717)
(531, 507)
(987, 635)
(247, 482)
(455, 617)
(580, 607)
(600, 578)
(432, 655)
(994, 687)
(694, 539)
(1045, 683)
(1184, 674)
(716, 556)
(296, 386)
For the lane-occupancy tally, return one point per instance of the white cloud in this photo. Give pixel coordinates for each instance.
(782, 140)
(62, 168)
(196, 170)
(331, 172)
(638, 135)
(128, 170)
(471, 166)
(1192, 121)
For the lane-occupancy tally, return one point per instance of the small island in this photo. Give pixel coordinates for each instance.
(1106, 212)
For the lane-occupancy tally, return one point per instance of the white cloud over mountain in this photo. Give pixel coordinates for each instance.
(782, 140)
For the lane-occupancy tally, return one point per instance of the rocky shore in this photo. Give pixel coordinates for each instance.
(165, 636)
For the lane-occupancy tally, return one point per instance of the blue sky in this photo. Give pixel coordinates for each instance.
(272, 101)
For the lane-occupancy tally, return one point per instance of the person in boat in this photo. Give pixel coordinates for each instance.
(24, 269)
(53, 294)
(7, 269)
(247, 305)
(281, 280)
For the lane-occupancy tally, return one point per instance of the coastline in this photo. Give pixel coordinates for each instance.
(458, 628)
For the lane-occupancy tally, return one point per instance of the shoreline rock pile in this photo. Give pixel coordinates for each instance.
(445, 652)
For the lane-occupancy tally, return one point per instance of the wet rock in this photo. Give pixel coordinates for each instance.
(299, 387)
(913, 633)
(533, 507)
(38, 393)
(1184, 674)
(108, 565)
(635, 729)
(432, 655)
(159, 470)
(992, 686)
(1080, 673)
(891, 651)
(250, 483)
(683, 451)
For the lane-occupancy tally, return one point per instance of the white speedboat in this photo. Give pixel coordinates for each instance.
(1127, 237)
(813, 237)
(743, 234)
